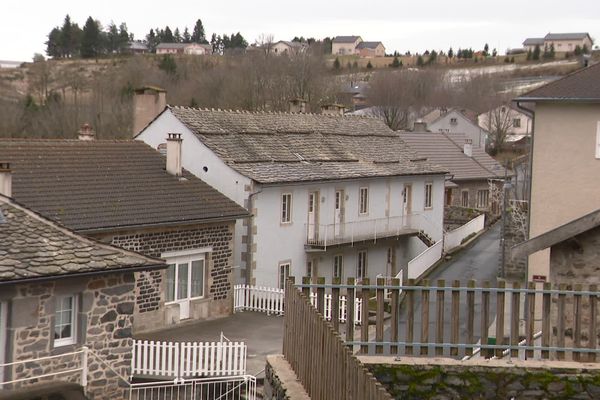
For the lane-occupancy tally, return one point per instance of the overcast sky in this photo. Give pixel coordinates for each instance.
(401, 25)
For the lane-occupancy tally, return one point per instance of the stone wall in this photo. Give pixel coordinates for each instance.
(281, 382)
(105, 306)
(453, 379)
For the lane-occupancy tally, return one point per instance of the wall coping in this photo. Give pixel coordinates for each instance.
(286, 375)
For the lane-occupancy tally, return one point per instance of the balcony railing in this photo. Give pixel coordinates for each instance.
(321, 236)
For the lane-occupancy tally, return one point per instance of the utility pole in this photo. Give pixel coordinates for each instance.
(505, 188)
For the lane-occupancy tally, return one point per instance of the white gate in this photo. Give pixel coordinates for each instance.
(222, 388)
(188, 360)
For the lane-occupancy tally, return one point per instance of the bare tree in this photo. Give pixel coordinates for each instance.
(499, 123)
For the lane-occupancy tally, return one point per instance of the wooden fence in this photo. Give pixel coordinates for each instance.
(324, 365)
(453, 321)
(187, 359)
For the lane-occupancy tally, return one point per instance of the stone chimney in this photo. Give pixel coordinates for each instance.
(298, 106)
(5, 179)
(332, 109)
(174, 154)
(148, 102)
(420, 126)
(86, 132)
(468, 148)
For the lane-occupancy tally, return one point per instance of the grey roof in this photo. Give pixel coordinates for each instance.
(447, 150)
(440, 112)
(580, 86)
(567, 36)
(108, 184)
(345, 39)
(533, 41)
(182, 45)
(285, 147)
(368, 45)
(135, 45)
(34, 247)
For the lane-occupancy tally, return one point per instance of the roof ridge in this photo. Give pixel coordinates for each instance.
(268, 112)
(74, 140)
(472, 155)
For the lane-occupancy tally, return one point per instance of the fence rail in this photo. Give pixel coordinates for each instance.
(188, 359)
(218, 388)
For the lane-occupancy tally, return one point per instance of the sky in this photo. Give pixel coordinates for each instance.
(401, 25)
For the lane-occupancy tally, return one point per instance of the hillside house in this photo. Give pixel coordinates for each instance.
(507, 118)
(370, 49)
(454, 120)
(288, 47)
(126, 194)
(197, 49)
(345, 45)
(470, 167)
(565, 157)
(329, 195)
(562, 42)
(60, 291)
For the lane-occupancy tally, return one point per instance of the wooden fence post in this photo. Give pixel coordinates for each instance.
(577, 322)
(470, 317)
(364, 328)
(500, 317)
(425, 318)
(560, 323)
(321, 296)
(514, 320)
(380, 315)
(410, 318)
(546, 315)
(350, 303)
(485, 319)
(593, 339)
(395, 309)
(530, 320)
(439, 337)
(335, 303)
(455, 318)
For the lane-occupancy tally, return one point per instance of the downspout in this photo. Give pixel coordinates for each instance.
(249, 243)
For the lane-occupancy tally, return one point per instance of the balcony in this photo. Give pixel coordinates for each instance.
(319, 237)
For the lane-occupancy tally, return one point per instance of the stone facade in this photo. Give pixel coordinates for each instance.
(150, 311)
(104, 318)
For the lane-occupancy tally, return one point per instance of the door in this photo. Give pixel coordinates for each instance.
(183, 294)
(339, 213)
(407, 203)
(312, 216)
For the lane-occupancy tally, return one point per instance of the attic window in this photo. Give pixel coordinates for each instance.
(453, 121)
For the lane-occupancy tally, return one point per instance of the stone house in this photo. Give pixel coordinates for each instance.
(126, 194)
(470, 167)
(565, 156)
(60, 291)
(340, 196)
(454, 120)
(345, 45)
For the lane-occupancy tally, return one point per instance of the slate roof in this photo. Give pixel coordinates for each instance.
(582, 85)
(345, 39)
(368, 45)
(34, 247)
(286, 147)
(567, 36)
(533, 41)
(440, 112)
(447, 150)
(106, 184)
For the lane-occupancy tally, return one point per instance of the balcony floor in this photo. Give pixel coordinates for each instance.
(342, 241)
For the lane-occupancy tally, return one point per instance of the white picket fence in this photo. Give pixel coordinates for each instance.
(455, 237)
(270, 301)
(188, 359)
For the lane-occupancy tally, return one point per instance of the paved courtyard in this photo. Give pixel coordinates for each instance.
(263, 334)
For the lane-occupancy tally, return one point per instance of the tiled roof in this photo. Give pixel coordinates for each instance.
(567, 36)
(581, 85)
(285, 147)
(440, 112)
(447, 150)
(368, 45)
(533, 41)
(345, 39)
(104, 185)
(34, 247)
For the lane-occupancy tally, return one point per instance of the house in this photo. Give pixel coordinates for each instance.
(371, 49)
(345, 45)
(506, 118)
(565, 157)
(137, 47)
(562, 42)
(184, 48)
(330, 195)
(60, 291)
(287, 47)
(470, 167)
(455, 120)
(127, 194)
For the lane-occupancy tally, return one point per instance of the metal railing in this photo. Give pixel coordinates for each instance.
(241, 387)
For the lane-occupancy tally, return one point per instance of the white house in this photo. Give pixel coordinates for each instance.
(508, 118)
(330, 195)
(197, 49)
(345, 45)
(287, 47)
(454, 120)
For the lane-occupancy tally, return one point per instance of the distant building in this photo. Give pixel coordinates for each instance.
(10, 64)
(137, 47)
(455, 120)
(345, 45)
(286, 47)
(562, 42)
(184, 48)
(371, 49)
(510, 118)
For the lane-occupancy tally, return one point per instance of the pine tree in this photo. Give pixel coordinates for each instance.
(577, 51)
(151, 40)
(494, 53)
(336, 63)
(584, 49)
(198, 35)
(177, 36)
(486, 49)
(450, 53)
(529, 54)
(420, 61)
(112, 38)
(536, 52)
(53, 43)
(91, 40)
(187, 38)
(70, 38)
(369, 65)
(168, 64)
(167, 36)
(395, 63)
(124, 38)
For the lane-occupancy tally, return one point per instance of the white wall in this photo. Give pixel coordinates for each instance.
(524, 129)
(462, 125)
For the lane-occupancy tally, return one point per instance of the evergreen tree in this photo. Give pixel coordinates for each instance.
(486, 50)
(91, 40)
(198, 35)
(167, 37)
(177, 36)
(124, 38)
(578, 50)
(53, 44)
(70, 38)
(187, 38)
(432, 57)
(536, 52)
(494, 53)
(168, 65)
(450, 53)
(336, 63)
(420, 61)
(459, 53)
(369, 65)
(585, 49)
(395, 63)
(112, 38)
(152, 41)
(529, 55)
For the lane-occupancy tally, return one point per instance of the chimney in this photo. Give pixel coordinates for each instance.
(5, 179)
(420, 126)
(468, 148)
(332, 109)
(174, 154)
(298, 106)
(148, 102)
(86, 132)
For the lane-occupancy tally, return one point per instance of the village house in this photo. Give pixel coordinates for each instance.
(508, 118)
(126, 194)
(184, 48)
(137, 47)
(562, 42)
(370, 49)
(60, 291)
(470, 167)
(453, 120)
(330, 195)
(345, 45)
(565, 165)
(288, 47)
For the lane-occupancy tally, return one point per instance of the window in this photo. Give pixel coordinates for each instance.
(284, 273)
(338, 266)
(516, 122)
(464, 198)
(428, 193)
(598, 140)
(453, 121)
(483, 197)
(311, 268)
(361, 265)
(286, 208)
(185, 279)
(363, 201)
(65, 320)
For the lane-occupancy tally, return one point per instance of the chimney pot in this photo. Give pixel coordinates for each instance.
(5, 179)
(86, 132)
(468, 148)
(332, 109)
(148, 103)
(174, 143)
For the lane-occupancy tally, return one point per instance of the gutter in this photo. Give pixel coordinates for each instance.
(250, 240)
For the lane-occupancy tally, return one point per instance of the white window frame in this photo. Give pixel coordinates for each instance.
(362, 261)
(338, 266)
(73, 322)
(283, 272)
(286, 208)
(363, 200)
(428, 199)
(598, 140)
(481, 197)
(185, 258)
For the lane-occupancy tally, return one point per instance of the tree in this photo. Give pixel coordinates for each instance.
(91, 40)
(432, 57)
(396, 63)
(486, 50)
(167, 36)
(187, 38)
(585, 49)
(536, 52)
(494, 53)
(53, 45)
(529, 55)
(168, 65)
(70, 38)
(124, 38)
(450, 53)
(499, 122)
(577, 50)
(152, 41)
(355, 64)
(198, 35)
(336, 63)
(177, 36)
(369, 65)
(420, 61)
(112, 38)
